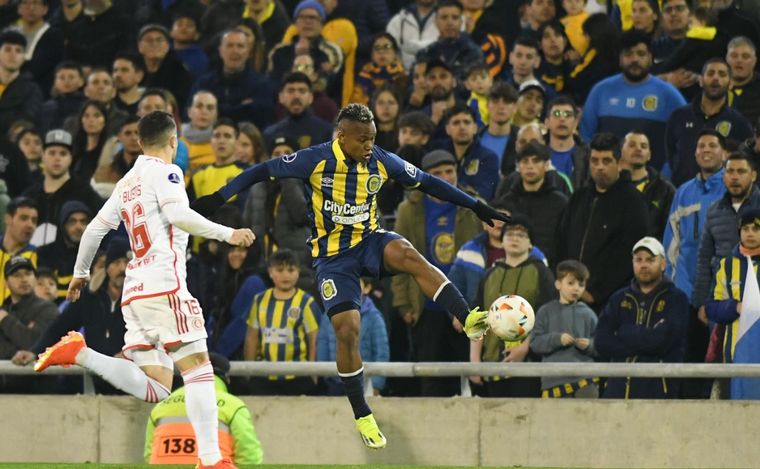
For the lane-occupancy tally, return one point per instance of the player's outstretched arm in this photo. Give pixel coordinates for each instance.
(186, 219)
(88, 246)
(441, 189)
(208, 204)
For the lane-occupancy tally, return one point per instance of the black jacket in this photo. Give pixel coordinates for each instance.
(47, 54)
(306, 129)
(600, 229)
(643, 328)
(13, 168)
(747, 99)
(97, 39)
(173, 76)
(25, 322)
(658, 194)
(22, 99)
(544, 208)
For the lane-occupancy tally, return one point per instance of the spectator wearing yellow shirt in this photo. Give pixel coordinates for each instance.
(20, 223)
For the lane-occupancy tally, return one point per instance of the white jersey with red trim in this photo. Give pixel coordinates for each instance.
(159, 248)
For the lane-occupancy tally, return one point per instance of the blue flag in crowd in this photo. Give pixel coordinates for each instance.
(748, 338)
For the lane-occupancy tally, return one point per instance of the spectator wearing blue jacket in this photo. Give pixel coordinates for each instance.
(243, 94)
(373, 341)
(688, 211)
(708, 110)
(477, 166)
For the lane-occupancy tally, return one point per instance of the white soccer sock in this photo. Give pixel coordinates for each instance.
(200, 402)
(123, 374)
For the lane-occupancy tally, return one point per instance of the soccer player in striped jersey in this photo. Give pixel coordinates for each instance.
(341, 179)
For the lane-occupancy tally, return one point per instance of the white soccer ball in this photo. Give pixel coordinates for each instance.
(511, 317)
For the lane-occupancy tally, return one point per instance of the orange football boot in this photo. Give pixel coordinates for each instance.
(62, 353)
(222, 464)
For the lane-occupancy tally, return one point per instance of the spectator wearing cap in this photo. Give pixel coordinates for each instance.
(441, 84)
(168, 421)
(719, 235)
(21, 97)
(23, 316)
(745, 81)
(44, 43)
(337, 30)
(530, 103)
(98, 312)
(20, 222)
(310, 38)
(437, 229)
(477, 166)
(500, 135)
(277, 212)
(413, 28)
(519, 273)
(453, 46)
(101, 34)
(644, 322)
(602, 222)
(633, 99)
(163, 69)
(710, 109)
(727, 295)
(58, 187)
(301, 124)
(60, 255)
(657, 191)
(537, 197)
(243, 94)
(185, 43)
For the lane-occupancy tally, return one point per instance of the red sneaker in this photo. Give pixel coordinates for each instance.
(222, 464)
(63, 353)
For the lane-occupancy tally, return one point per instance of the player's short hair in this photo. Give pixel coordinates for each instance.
(460, 108)
(226, 122)
(716, 60)
(575, 268)
(417, 120)
(284, 257)
(741, 156)
(155, 129)
(357, 113)
(20, 202)
(606, 141)
(707, 131)
(296, 77)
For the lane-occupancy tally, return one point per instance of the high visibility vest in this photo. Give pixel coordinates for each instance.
(174, 442)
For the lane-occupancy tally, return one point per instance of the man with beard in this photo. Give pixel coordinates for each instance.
(477, 166)
(98, 312)
(300, 125)
(60, 255)
(57, 187)
(441, 84)
(645, 322)
(709, 110)
(128, 71)
(602, 222)
(657, 192)
(745, 85)
(632, 99)
(20, 223)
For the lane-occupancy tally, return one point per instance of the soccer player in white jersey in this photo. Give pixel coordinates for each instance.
(164, 322)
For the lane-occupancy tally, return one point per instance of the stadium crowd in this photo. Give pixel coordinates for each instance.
(621, 136)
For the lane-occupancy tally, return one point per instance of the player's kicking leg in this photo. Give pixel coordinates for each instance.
(399, 256)
(351, 372)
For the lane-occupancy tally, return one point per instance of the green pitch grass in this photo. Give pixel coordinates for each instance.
(265, 466)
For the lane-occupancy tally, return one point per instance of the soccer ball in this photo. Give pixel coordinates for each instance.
(511, 317)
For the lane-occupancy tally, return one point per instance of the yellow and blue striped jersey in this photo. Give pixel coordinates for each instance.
(343, 193)
(27, 251)
(283, 325)
(729, 285)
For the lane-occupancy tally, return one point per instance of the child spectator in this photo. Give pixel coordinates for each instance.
(573, 22)
(66, 96)
(46, 286)
(384, 68)
(519, 273)
(373, 341)
(564, 332)
(282, 326)
(478, 82)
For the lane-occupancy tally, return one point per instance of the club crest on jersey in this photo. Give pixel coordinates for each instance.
(374, 182)
(290, 158)
(723, 128)
(294, 312)
(174, 178)
(472, 168)
(649, 103)
(411, 170)
(327, 289)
